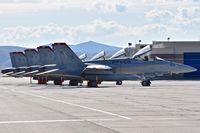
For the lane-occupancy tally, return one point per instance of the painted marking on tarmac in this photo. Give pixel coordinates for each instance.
(54, 121)
(73, 104)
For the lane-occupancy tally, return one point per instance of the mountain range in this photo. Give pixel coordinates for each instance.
(90, 48)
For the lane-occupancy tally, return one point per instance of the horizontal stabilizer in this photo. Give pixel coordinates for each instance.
(18, 73)
(142, 51)
(34, 66)
(8, 73)
(49, 65)
(47, 72)
(32, 72)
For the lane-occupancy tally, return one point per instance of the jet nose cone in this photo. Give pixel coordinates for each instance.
(192, 69)
(188, 69)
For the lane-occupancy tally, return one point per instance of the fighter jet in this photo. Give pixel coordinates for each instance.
(69, 65)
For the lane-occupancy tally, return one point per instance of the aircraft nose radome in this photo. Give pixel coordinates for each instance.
(192, 69)
(189, 69)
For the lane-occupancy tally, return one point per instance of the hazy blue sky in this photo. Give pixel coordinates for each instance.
(116, 22)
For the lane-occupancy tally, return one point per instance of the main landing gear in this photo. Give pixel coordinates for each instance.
(146, 83)
(42, 80)
(92, 83)
(73, 83)
(58, 82)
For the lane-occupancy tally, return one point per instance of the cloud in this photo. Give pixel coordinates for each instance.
(111, 5)
(189, 12)
(54, 32)
(20, 1)
(31, 35)
(104, 6)
(104, 31)
(159, 15)
(183, 16)
(24, 6)
(121, 8)
(187, 17)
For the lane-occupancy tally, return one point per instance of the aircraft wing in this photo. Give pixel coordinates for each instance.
(142, 51)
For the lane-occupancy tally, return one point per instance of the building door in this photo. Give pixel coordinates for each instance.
(192, 59)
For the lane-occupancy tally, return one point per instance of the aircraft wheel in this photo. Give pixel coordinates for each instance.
(119, 83)
(57, 82)
(92, 83)
(39, 81)
(45, 80)
(81, 82)
(73, 83)
(146, 83)
(42, 80)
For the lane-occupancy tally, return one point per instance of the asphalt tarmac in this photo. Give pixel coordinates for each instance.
(165, 107)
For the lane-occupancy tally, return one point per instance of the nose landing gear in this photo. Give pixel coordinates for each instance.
(119, 83)
(146, 83)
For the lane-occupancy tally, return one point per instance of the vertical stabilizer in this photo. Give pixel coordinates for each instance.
(46, 55)
(64, 54)
(18, 59)
(32, 57)
(67, 58)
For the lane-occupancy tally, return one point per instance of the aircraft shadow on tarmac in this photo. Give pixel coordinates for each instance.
(51, 86)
